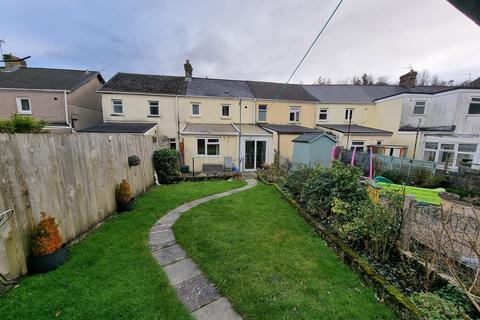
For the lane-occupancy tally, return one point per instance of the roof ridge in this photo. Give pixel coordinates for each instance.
(61, 69)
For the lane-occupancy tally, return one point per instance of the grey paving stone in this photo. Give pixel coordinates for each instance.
(181, 271)
(159, 227)
(162, 238)
(170, 218)
(197, 292)
(169, 255)
(219, 309)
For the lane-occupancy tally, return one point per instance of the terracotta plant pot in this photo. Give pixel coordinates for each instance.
(123, 207)
(49, 262)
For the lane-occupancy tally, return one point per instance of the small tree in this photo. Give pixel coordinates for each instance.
(123, 192)
(46, 238)
(165, 163)
(21, 124)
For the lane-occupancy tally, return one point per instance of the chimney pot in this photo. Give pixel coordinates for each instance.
(188, 70)
(409, 79)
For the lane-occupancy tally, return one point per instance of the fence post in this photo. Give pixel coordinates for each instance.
(406, 231)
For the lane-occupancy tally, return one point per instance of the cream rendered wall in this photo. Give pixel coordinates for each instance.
(228, 147)
(85, 104)
(136, 109)
(362, 113)
(279, 112)
(285, 146)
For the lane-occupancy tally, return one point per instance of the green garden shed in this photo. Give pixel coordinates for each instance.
(312, 149)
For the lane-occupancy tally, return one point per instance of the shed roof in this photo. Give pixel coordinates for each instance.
(46, 78)
(123, 127)
(289, 128)
(209, 128)
(145, 83)
(356, 129)
(311, 137)
(219, 88)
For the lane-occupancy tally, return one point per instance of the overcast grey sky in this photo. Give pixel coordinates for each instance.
(257, 40)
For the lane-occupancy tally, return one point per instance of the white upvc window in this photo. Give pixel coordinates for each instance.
(359, 144)
(323, 114)
(23, 105)
(348, 114)
(474, 107)
(465, 154)
(117, 106)
(225, 111)
(153, 108)
(195, 109)
(294, 114)
(262, 113)
(208, 146)
(452, 154)
(419, 107)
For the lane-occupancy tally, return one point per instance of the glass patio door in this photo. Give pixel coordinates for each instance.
(255, 154)
(250, 155)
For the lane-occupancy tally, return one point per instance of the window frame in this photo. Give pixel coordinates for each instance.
(19, 105)
(363, 145)
(113, 107)
(295, 110)
(222, 109)
(207, 142)
(348, 114)
(415, 106)
(262, 109)
(439, 150)
(150, 114)
(196, 115)
(322, 111)
(475, 104)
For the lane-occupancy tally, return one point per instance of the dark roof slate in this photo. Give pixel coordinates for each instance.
(46, 78)
(219, 88)
(310, 137)
(289, 128)
(145, 83)
(270, 90)
(123, 127)
(209, 128)
(356, 129)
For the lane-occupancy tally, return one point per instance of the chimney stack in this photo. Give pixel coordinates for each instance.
(188, 70)
(13, 63)
(409, 79)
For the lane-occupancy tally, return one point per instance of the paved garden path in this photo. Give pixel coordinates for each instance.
(193, 288)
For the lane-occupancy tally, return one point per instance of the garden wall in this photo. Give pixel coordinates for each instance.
(465, 178)
(71, 177)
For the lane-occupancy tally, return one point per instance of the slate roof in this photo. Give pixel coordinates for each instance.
(123, 127)
(145, 83)
(356, 129)
(310, 137)
(437, 128)
(289, 128)
(252, 129)
(269, 90)
(219, 88)
(206, 128)
(46, 78)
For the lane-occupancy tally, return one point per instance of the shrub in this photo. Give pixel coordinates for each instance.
(21, 124)
(123, 192)
(46, 238)
(165, 163)
(296, 180)
(440, 181)
(272, 173)
(421, 176)
(435, 307)
(133, 161)
(394, 176)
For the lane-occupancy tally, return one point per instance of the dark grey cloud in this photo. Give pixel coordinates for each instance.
(261, 40)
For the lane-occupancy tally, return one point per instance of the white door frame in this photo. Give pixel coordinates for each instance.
(268, 142)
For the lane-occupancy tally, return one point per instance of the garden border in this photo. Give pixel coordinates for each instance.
(388, 293)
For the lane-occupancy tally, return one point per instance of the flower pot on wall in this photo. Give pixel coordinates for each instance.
(46, 263)
(123, 207)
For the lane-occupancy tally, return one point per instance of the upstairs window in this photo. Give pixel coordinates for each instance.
(294, 114)
(23, 106)
(225, 111)
(348, 114)
(323, 115)
(154, 108)
(262, 113)
(474, 107)
(208, 146)
(195, 109)
(419, 107)
(117, 106)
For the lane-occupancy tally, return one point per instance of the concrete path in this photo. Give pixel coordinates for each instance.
(193, 288)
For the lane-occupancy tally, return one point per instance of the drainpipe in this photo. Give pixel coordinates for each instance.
(66, 110)
(240, 139)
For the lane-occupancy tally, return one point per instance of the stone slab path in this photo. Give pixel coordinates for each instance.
(193, 288)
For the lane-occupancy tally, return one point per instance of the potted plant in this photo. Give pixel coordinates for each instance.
(48, 249)
(124, 196)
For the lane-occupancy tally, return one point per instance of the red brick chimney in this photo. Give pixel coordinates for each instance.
(188, 70)
(409, 79)
(13, 63)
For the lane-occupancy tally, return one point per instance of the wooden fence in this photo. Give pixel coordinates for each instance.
(71, 177)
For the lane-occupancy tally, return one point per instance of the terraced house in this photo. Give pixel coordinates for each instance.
(218, 123)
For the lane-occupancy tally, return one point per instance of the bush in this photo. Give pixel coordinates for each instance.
(123, 192)
(394, 176)
(165, 163)
(421, 176)
(440, 181)
(46, 238)
(296, 180)
(21, 124)
(133, 161)
(272, 173)
(435, 307)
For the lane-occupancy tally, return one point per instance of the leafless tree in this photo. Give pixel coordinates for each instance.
(382, 80)
(321, 80)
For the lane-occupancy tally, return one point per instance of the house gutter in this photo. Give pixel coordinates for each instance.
(66, 110)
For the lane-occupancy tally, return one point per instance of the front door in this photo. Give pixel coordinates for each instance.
(255, 154)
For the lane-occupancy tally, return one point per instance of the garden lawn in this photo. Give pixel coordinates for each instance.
(111, 274)
(269, 263)
(421, 194)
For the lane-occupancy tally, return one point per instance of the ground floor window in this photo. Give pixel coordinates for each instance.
(359, 144)
(173, 144)
(450, 154)
(208, 146)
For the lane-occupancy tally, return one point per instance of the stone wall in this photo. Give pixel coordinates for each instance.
(465, 178)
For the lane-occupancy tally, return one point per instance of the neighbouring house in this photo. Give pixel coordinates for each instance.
(313, 149)
(66, 99)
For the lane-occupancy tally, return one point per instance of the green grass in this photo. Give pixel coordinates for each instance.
(111, 274)
(421, 194)
(269, 263)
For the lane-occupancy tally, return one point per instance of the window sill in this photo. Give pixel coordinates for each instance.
(473, 115)
(294, 122)
(322, 121)
(208, 156)
(153, 116)
(117, 115)
(418, 115)
(226, 118)
(195, 116)
(24, 112)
